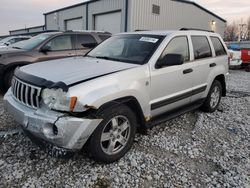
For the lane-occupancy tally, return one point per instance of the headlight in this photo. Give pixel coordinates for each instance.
(57, 99)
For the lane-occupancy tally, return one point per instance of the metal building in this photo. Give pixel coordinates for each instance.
(128, 15)
(28, 31)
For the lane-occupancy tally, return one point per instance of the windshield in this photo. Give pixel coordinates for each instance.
(131, 48)
(32, 43)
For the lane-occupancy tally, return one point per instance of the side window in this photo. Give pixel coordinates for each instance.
(84, 39)
(60, 43)
(178, 45)
(201, 47)
(218, 47)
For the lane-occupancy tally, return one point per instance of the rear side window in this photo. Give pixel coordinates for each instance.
(218, 47)
(178, 45)
(201, 47)
(84, 39)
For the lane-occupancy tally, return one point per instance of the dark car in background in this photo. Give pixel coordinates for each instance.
(46, 46)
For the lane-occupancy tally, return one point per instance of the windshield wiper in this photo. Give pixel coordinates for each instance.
(103, 57)
(15, 47)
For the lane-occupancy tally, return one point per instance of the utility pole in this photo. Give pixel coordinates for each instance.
(241, 30)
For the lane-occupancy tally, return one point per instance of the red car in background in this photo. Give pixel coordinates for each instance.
(245, 55)
(244, 47)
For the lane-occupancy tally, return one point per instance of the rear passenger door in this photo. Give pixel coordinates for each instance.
(81, 40)
(203, 63)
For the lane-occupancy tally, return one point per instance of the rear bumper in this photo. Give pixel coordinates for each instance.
(52, 128)
(235, 62)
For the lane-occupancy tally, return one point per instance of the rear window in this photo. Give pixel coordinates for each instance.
(201, 47)
(218, 47)
(84, 39)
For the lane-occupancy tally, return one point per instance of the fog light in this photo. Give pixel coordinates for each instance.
(55, 130)
(48, 130)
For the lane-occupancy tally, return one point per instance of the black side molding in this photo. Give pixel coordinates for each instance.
(174, 113)
(177, 98)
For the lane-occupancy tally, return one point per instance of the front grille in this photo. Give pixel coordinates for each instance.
(25, 93)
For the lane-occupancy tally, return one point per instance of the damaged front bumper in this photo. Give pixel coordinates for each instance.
(59, 131)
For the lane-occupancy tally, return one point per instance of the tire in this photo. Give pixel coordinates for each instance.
(8, 79)
(214, 97)
(114, 136)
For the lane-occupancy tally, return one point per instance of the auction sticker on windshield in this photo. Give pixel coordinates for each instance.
(149, 39)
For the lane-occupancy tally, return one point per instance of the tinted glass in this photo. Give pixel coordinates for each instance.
(201, 47)
(60, 43)
(178, 45)
(136, 49)
(84, 39)
(218, 47)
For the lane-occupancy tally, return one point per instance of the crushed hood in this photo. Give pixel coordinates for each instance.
(75, 69)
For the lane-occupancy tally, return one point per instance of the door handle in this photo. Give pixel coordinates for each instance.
(212, 65)
(187, 71)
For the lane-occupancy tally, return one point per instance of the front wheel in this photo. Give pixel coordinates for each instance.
(213, 99)
(115, 134)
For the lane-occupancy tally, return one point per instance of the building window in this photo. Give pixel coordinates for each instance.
(156, 9)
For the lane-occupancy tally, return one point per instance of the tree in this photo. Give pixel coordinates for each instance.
(231, 32)
(248, 27)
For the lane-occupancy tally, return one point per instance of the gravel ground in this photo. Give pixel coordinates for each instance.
(193, 150)
(6, 121)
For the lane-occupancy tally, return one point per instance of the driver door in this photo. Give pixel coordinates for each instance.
(171, 86)
(59, 47)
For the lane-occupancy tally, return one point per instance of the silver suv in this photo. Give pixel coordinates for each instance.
(130, 82)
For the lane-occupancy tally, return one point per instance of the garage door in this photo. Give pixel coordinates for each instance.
(74, 24)
(110, 22)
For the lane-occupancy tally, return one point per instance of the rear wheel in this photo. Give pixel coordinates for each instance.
(213, 99)
(114, 136)
(8, 78)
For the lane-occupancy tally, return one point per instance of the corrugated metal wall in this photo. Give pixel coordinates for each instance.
(173, 15)
(105, 6)
(57, 20)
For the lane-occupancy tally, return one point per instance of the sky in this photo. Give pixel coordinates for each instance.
(18, 14)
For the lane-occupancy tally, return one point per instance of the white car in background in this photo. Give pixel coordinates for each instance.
(12, 40)
(235, 59)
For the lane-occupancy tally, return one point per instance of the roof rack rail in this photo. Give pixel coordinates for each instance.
(138, 30)
(195, 29)
(93, 31)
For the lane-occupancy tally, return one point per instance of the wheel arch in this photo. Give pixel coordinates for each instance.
(221, 79)
(132, 103)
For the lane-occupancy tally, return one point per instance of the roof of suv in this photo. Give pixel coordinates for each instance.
(168, 32)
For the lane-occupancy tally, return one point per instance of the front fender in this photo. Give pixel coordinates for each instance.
(132, 83)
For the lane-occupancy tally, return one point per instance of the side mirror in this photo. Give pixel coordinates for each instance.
(45, 49)
(170, 60)
(90, 45)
